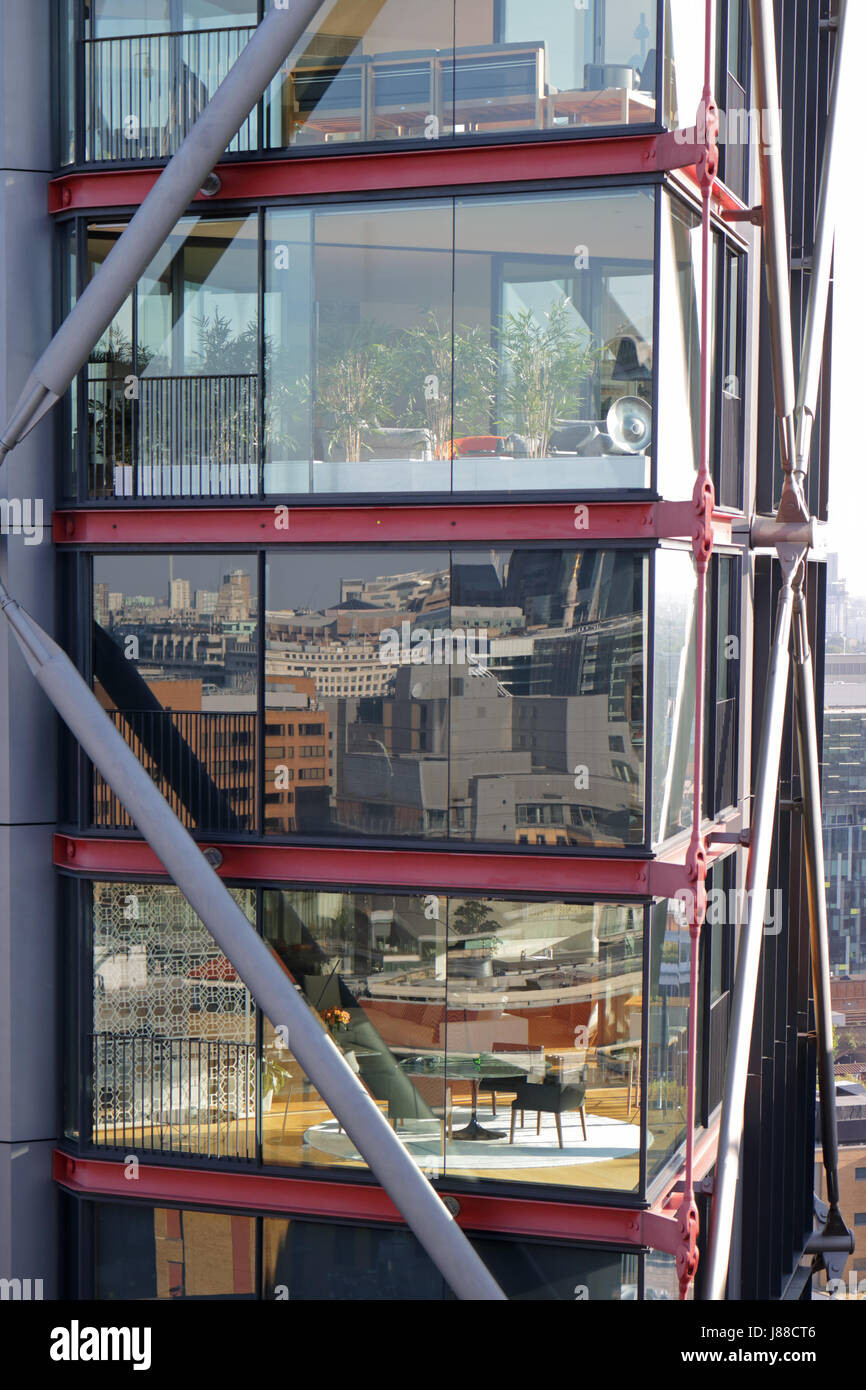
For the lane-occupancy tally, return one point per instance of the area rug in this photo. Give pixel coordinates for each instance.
(606, 1139)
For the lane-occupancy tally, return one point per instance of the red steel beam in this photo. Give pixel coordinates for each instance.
(396, 868)
(270, 1194)
(314, 525)
(435, 166)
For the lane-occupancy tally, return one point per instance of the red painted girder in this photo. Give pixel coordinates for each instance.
(436, 166)
(270, 1194)
(314, 525)
(397, 868)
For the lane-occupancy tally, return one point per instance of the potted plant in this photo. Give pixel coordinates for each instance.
(545, 367)
(275, 1074)
(447, 379)
(354, 384)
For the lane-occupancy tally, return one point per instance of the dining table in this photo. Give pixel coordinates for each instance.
(485, 1066)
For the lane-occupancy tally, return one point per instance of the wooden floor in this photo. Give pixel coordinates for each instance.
(621, 1174)
(283, 1130)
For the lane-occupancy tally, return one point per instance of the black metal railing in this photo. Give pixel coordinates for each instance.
(143, 93)
(205, 763)
(174, 1095)
(172, 436)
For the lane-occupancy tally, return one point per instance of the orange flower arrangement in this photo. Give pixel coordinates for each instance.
(336, 1019)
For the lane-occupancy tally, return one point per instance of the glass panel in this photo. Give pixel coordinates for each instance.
(311, 1261)
(142, 1252)
(679, 431)
(730, 465)
(449, 1010)
(543, 1042)
(673, 693)
(541, 378)
(349, 653)
(152, 1252)
(726, 704)
(152, 66)
(70, 961)
(391, 71)
(381, 350)
(530, 1271)
(667, 1033)
(661, 1279)
(173, 1041)
(553, 341)
(535, 658)
(554, 66)
(290, 343)
(373, 967)
(173, 387)
(547, 720)
(685, 49)
(198, 360)
(65, 57)
(68, 288)
(308, 1261)
(109, 385)
(175, 664)
(369, 70)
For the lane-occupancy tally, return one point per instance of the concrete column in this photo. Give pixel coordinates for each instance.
(30, 1014)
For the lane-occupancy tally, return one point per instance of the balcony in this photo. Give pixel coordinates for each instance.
(183, 436)
(175, 1095)
(419, 70)
(143, 94)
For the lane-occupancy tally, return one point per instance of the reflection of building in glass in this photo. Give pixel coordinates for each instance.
(844, 809)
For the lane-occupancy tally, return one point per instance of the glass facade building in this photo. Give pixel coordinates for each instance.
(374, 542)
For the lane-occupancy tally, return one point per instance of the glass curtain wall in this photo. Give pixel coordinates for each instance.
(478, 346)
(173, 386)
(504, 1040)
(667, 1032)
(136, 1251)
(501, 1039)
(371, 71)
(493, 696)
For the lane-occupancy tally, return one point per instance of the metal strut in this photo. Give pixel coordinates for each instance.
(257, 966)
(791, 534)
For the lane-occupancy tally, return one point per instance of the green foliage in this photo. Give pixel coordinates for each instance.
(220, 352)
(445, 377)
(275, 1074)
(473, 917)
(354, 383)
(545, 367)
